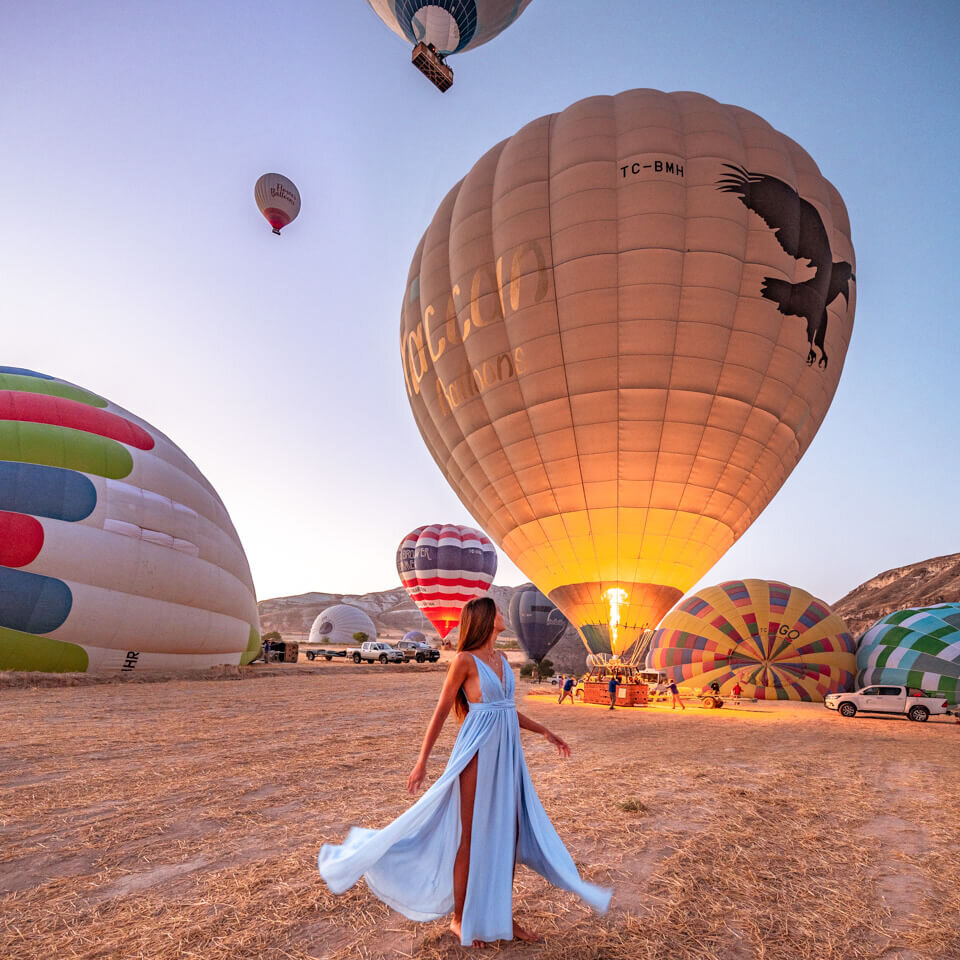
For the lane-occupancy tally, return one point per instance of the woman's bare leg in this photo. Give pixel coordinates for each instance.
(461, 865)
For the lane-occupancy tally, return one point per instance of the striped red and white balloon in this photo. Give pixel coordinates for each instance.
(278, 200)
(442, 566)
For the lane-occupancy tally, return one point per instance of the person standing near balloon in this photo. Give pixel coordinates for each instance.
(612, 685)
(567, 690)
(458, 846)
(675, 696)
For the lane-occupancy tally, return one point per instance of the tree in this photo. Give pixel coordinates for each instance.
(360, 637)
(272, 636)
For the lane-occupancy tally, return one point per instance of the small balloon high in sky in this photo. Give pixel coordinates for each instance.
(278, 199)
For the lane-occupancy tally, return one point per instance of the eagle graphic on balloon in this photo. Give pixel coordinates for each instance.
(803, 237)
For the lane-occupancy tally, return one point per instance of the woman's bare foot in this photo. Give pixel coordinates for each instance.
(525, 935)
(458, 933)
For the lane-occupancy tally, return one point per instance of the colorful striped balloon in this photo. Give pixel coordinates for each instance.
(917, 648)
(778, 642)
(116, 554)
(442, 566)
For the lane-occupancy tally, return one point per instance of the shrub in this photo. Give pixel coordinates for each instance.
(360, 637)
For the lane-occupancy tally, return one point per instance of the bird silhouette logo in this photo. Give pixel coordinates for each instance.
(800, 231)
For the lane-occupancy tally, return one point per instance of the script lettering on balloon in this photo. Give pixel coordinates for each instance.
(433, 335)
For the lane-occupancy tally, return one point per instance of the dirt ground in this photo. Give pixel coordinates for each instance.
(181, 819)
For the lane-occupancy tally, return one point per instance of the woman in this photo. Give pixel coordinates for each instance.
(457, 847)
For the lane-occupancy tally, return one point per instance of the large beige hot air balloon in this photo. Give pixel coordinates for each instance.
(620, 333)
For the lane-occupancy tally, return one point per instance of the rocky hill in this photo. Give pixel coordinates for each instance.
(917, 584)
(393, 614)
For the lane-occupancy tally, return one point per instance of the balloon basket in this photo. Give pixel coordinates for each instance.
(633, 691)
(431, 65)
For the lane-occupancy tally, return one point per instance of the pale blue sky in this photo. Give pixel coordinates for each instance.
(135, 263)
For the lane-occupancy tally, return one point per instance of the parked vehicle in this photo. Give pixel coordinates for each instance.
(374, 650)
(415, 650)
(326, 654)
(887, 699)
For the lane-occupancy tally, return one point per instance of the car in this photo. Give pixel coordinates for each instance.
(878, 698)
(415, 650)
(374, 650)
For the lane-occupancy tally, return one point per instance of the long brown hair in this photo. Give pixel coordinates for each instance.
(476, 624)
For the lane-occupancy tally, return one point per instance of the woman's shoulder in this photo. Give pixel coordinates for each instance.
(464, 660)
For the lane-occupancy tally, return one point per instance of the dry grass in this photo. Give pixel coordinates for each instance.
(182, 819)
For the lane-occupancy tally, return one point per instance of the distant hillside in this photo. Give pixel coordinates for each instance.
(915, 585)
(393, 614)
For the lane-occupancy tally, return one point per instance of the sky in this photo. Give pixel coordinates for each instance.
(134, 261)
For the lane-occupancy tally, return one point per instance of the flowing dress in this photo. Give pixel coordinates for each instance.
(409, 864)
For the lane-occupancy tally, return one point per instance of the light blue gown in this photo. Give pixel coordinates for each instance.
(409, 864)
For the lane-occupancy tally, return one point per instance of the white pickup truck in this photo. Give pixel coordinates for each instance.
(374, 650)
(886, 699)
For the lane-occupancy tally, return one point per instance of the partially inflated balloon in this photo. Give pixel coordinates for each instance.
(451, 26)
(536, 621)
(917, 648)
(620, 333)
(340, 624)
(116, 554)
(442, 566)
(776, 641)
(278, 199)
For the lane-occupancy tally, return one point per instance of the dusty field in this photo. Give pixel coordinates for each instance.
(181, 820)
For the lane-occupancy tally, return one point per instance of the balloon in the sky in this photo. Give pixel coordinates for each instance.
(438, 28)
(619, 334)
(451, 26)
(778, 642)
(341, 624)
(278, 199)
(116, 554)
(918, 648)
(442, 566)
(536, 621)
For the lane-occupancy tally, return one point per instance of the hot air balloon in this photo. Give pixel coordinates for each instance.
(777, 641)
(536, 621)
(414, 636)
(619, 334)
(116, 554)
(278, 199)
(438, 28)
(340, 624)
(917, 648)
(442, 566)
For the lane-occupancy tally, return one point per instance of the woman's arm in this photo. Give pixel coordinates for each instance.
(527, 724)
(455, 676)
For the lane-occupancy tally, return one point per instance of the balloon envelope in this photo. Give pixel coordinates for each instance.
(777, 641)
(442, 566)
(451, 26)
(339, 623)
(536, 621)
(918, 648)
(278, 199)
(620, 333)
(116, 554)
(415, 636)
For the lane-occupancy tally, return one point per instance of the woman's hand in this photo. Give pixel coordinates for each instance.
(415, 780)
(561, 745)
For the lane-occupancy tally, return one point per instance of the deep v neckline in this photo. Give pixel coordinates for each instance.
(501, 680)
